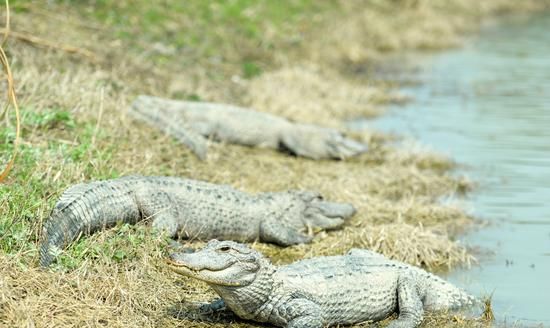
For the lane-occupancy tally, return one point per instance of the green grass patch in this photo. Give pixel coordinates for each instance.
(49, 119)
(40, 172)
(122, 243)
(251, 69)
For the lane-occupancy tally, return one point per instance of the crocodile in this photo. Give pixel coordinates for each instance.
(188, 208)
(318, 292)
(192, 123)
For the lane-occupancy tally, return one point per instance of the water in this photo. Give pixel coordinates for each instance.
(488, 106)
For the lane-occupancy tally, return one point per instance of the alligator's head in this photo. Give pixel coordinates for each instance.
(219, 263)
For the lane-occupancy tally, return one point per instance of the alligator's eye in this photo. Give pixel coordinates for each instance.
(224, 249)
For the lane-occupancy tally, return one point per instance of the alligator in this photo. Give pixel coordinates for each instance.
(192, 123)
(187, 208)
(318, 292)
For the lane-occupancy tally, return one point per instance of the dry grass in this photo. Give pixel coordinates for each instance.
(314, 96)
(75, 128)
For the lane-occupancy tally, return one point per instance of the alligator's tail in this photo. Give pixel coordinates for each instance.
(442, 295)
(85, 208)
(56, 234)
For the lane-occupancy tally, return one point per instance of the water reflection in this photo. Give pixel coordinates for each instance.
(488, 105)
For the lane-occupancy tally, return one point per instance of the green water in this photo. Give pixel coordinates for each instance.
(487, 105)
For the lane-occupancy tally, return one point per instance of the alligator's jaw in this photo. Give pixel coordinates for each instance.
(188, 271)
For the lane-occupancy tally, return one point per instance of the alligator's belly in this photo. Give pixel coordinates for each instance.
(372, 296)
(238, 232)
(349, 296)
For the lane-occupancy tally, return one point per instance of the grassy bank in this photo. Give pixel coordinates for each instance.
(295, 58)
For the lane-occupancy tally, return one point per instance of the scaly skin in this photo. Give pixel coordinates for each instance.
(188, 208)
(192, 122)
(318, 292)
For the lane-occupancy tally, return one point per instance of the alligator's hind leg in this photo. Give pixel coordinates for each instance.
(275, 232)
(152, 110)
(157, 205)
(410, 304)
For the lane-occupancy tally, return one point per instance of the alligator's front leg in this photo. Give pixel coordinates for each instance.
(274, 232)
(214, 312)
(410, 304)
(214, 306)
(318, 142)
(289, 217)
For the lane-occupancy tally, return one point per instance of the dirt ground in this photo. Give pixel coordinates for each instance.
(305, 60)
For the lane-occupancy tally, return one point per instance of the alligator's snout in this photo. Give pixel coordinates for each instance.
(177, 259)
(177, 263)
(219, 264)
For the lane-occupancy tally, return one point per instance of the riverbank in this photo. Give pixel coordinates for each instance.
(469, 102)
(298, 62)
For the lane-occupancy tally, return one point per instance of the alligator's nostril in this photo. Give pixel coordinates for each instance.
(176, 257)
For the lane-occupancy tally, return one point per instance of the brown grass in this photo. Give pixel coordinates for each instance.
(309, 94)
(396, 191)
